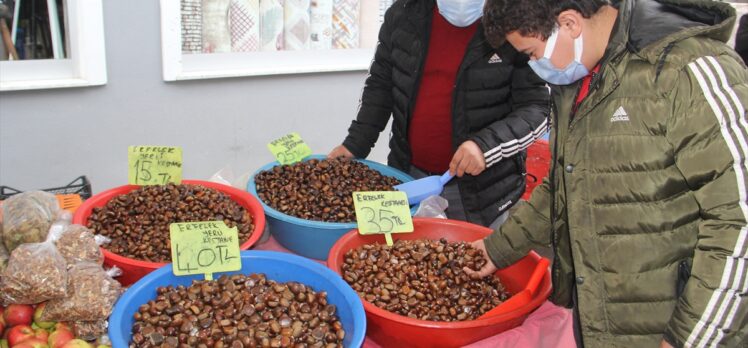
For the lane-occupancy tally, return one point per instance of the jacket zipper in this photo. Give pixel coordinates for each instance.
(556, 267)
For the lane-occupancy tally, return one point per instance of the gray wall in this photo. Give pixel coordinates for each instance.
(49, 137)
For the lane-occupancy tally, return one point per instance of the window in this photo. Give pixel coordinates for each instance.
(223, 38)
(59, 43)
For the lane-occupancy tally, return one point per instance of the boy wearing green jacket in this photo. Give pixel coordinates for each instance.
(647, 200)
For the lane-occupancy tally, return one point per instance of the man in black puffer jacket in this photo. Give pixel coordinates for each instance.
(741, 38)
(457, 105)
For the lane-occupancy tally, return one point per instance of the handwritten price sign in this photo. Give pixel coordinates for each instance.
(204, 248)
(154, 165)
(382, 212)
(289, 149)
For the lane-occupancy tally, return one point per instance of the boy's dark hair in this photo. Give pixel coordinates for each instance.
(530, 17)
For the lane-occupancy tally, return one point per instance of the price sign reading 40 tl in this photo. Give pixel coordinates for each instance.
(154, 165)
(383, 212)
(289, 149)
(204, 248)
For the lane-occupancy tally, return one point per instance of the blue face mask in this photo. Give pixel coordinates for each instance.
(575, 71)
(461, 13)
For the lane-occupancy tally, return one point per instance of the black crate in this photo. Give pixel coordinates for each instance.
(80, 186)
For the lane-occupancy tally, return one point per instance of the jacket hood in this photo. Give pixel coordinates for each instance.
(649, 26)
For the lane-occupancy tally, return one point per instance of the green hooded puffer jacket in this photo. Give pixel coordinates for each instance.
(649, 185)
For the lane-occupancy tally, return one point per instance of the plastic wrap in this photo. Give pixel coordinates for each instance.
(27, 218)
(35, 273)
(92, 294)
(92, 331)
(79, 244)
(433, 206)
(4, 255)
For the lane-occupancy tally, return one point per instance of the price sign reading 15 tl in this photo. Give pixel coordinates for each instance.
(289, 149)
(382, 212)
(204, 248)
(154, 165)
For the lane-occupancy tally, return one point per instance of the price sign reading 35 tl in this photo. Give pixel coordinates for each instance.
(382, 212)
(289, 149)
(204, 248)
(154, 165)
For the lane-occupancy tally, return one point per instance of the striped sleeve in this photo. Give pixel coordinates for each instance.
(709, 133)
(514, 146)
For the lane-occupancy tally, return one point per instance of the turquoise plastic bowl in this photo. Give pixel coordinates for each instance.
(281, 267)
(312, 238)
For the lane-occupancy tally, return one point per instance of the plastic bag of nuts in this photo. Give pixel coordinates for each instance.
(4, 254)
(90, 330)
(3, 257)
(92, 294)
(78, 244)
(27, 217)
(35, 273)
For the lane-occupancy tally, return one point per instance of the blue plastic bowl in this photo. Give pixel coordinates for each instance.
(281, 267)
(312, 238)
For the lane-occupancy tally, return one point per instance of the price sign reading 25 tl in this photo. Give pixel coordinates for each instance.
(382, 212)
(204, 248)
(154, 165)
(289, 149)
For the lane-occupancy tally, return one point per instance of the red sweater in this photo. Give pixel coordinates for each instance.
(430, 129)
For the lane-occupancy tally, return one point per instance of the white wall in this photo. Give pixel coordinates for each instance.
(48, 138)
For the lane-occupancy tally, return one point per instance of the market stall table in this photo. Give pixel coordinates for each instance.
(548, 326)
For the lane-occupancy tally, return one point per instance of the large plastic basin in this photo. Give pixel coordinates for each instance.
(393, 330)
(280, 267)
(306, 237)
(133, 269)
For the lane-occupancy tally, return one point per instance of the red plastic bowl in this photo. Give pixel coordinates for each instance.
(132, 269)
(393, 330)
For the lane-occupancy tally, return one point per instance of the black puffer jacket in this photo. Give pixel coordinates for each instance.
(498, 102)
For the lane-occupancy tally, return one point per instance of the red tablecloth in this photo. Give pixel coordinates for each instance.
(548, 326)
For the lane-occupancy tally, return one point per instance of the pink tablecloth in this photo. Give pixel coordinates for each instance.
(549, 326)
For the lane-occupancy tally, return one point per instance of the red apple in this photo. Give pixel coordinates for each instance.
(77, 343)
(41, 334)
(38, 317)
(18, 334)
(32, 343)
(62, 326)
(18, 315)
(2, 328)
(59, 338)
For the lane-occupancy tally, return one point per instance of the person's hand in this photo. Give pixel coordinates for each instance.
(664, 344)
(468, 159)
(488, 269)
(340, 151)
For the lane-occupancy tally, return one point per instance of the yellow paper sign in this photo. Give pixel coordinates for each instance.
(154, 165)
(204, 248)
(289, 149)
(382, 212)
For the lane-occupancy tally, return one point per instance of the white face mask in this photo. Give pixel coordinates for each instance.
(461, 13)
(560, 76)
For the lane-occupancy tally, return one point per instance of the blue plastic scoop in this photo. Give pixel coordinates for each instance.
(418, 190)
